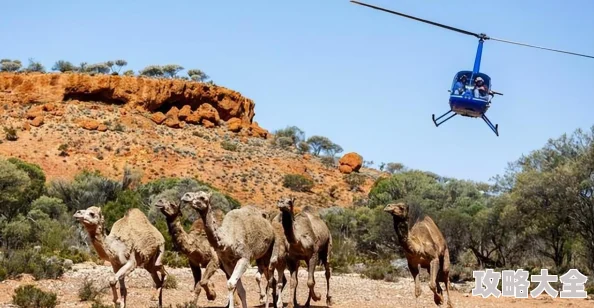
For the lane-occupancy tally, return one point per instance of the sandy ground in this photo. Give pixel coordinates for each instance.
(346, 291)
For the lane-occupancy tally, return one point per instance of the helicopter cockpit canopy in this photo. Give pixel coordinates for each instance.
(469, 84)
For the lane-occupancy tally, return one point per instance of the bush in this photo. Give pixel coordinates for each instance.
(283, 142)
(29, 296)
(11, 134)
(88, 291)
(170, 282)
(298, 182)
(30, 262)
(354, 180)
(175, 260)
(229, 146)
(382, 271)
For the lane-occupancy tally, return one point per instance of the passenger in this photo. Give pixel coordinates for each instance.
(480, 89)
(459, 86)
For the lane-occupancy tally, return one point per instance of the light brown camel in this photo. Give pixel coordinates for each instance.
(195, 246)
(424, 247)
(133, 242)
(244, 235)
(278, 260)
(309, 240)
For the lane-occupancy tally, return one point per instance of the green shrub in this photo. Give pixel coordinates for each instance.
(88, 291)
(382, 270)
(175, 260)
(298, 182)
(283, 142)
(187, 305)
(29, 296)
(30, 262)
(170, 282)
(229, 146)
(354, 180)
(11, 134)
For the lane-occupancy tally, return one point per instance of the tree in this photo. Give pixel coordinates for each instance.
(394, 167)
(98, 68)
(295, 133)
(64, 66)
(13, 183)
(129, 73)
(35, 66)
(7, 65)
(120, 64)
(321, 143)
(152, 71)
(170, 70)
(197, 75)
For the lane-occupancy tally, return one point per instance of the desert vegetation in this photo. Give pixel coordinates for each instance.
(113, 67)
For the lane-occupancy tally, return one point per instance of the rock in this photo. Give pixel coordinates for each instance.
(158, 117)
(207, 123)
(306, 156)
(49, 107)
(193, 118)
(257, 131)
(173, 113)
(234, 125)
(38, 121)
(102, 127)
(26, 126)
(34, 112)
(89, 124)
(173, 123)
(185, 112)
(345, 169)
(351, 160)
(208, 112)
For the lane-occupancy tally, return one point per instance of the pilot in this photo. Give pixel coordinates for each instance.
(460, 84)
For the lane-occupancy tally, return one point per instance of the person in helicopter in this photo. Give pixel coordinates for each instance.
(459, 86)
(480, 89)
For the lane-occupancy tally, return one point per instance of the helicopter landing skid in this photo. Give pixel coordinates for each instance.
(494, 128)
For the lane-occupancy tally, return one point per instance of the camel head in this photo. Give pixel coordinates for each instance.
(169, 209)
(200, 200)
(90, 218)
(286, 204)
(398, 210)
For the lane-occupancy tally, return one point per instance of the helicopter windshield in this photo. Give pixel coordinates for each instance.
(464, 82)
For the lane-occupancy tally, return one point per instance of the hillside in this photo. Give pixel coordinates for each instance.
(68, 122)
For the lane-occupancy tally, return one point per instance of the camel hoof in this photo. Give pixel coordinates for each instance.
(438, 299)
(329, 301)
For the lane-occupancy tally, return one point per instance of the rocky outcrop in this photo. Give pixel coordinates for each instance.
(350, 162)
(191, 102)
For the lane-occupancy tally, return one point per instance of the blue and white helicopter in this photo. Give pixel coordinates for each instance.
(470, 94)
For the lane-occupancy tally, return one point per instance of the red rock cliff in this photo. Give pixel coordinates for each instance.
(149, 94)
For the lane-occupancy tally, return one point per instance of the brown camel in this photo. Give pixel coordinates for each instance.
(133, 242)
(424, 247)
(195, 246)
(244, 235)
(309, 240)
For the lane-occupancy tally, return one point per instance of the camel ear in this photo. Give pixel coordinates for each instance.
(209, 195)
(292, 200)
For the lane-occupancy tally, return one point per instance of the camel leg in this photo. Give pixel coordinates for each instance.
(159, 283)
(311, 282)
(328, 274)
(280, 285)
(414, 271)
(123, 290)
(259, 282)
(294, 270)
(241, 292)
(240, 268)
(120, 276)
(433, 269)
(197, 274)
(205, 282)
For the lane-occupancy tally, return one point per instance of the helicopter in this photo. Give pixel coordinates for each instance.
(467, 98)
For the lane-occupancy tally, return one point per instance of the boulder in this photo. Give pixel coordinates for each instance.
(350, 162)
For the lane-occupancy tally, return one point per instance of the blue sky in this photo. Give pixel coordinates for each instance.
(366, 79)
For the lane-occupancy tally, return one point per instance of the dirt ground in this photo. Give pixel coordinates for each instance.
(346, 291)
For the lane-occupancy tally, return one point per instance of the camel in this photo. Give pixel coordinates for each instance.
(309, 240)
(133, 242)
(424, 247)
(195, 246)
(244, 235)
(278, 261)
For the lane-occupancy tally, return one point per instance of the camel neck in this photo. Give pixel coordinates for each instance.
(178, 234)
(98, 240)
(401, 229)
(210, 227)
(287, 220)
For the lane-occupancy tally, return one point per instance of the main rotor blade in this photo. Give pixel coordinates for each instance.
(419, 19)
(562, 51)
